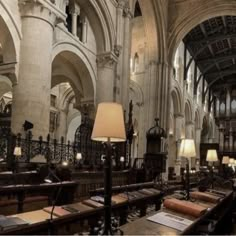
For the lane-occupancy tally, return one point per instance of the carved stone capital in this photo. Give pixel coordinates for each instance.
(117, 50)
(121, 4)
(179, 115)
(126, 12)
(42, 9)
(107, 59)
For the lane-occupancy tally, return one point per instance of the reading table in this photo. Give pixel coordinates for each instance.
(216, 220)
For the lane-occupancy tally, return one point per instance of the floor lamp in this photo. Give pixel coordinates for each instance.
(108, 128)
(212, 157)
(187, 150)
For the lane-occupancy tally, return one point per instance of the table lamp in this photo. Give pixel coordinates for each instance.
(231, 161)
(212, 157)
(225, 160)
(187, 150)
(108, 127)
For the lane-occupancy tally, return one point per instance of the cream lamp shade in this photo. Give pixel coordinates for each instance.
(122, 159)
(231, 161)
(109, 123)
(211, 155)
(187, 148)
(225, 160)
(78, 156)
(17, 151)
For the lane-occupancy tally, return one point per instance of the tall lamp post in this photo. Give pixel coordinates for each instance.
(187, 150)
(108, 128)
(212, 157)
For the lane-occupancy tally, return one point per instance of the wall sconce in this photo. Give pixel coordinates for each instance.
(122, 159)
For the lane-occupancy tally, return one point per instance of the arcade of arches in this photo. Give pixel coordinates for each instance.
(175, 59)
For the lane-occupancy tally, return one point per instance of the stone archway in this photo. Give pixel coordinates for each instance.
(74, 76)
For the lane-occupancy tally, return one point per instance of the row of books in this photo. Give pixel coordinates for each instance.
(98, 202)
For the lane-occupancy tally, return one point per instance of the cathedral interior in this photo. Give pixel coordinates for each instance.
(117, 117)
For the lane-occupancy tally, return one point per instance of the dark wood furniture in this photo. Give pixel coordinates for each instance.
(69, 224)
(216, 220)
(68, 189)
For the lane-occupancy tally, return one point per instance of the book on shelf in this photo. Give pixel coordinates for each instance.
(35, 216)
(118, 199)
(57, 211)
(11, 222)
(184, 207)
(124, 195)
(100, 199)
(70, 209)
(216, 192)
(92, 203)
(80, 207)
(154, 190)
(204, 196)
(146, 192)
(170, 220)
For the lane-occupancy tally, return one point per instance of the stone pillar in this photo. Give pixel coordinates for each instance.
(62, 128)
(31, 96)
(126, 58)
(84, 30)
(189, 129)
(231, 139)
(178, 136)
(197, 143)
(221, 138)
(227, 105)
(106, 63)
(74, 23)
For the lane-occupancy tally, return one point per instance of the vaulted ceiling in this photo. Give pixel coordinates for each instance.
(212, 44)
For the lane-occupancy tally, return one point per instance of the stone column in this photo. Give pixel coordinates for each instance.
(231, 139)
(74, 15)
(31, 96)
(189, 129)
(126, 58)
(106, 63)
(84, 30)
(62, 128)
(178, 136)
(227, 105)
(221, 138)
(197, 146)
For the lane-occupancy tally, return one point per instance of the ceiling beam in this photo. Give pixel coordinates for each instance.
(212, 39)
(217, 59)
(222, 73)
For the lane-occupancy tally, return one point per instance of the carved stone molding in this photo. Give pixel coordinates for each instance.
(127, 12)
(42, 9)
(107, 59)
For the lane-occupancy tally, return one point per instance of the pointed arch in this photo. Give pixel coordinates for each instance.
(177, 100)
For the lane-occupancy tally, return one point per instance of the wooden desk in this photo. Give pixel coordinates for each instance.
(220, 214)
(69, 224)
(26, 177)
(47, 189)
